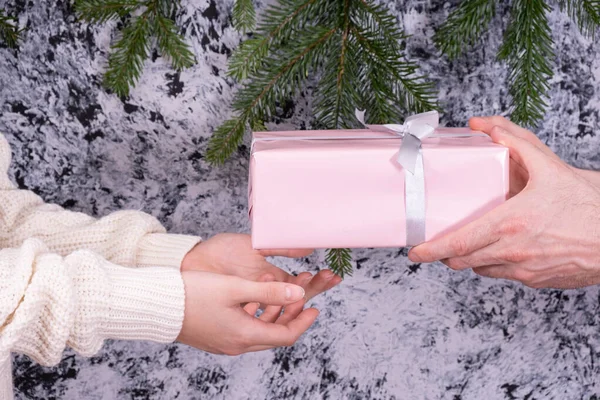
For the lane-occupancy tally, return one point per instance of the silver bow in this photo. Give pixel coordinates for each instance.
(416, 128)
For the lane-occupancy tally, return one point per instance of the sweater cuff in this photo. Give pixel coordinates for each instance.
(6, 390)
(145, 304)
(164, 249)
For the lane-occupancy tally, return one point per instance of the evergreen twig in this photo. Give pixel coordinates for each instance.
(586, 13)
(125, 64)
(9, 32)
(340, 261)
(100, 11)
(528, 50)
(156, 18)
(464, 26)
(244, 16)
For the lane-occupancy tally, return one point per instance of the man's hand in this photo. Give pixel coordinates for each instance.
(215, 320)
(232, 254)
(546, 235)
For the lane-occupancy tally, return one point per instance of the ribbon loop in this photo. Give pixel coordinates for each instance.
(416, 128)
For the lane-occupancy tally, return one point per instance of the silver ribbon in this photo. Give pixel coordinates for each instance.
(413, 131)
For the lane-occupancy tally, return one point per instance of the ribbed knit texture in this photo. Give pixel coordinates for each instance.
(67, 279)
(6, 391)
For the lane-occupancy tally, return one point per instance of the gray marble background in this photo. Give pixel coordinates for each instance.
(394, 330)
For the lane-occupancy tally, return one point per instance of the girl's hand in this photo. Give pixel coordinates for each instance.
(232, 254)
(215, 319)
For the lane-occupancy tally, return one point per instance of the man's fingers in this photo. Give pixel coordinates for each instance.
(485, 124)
(291, 253)
(522, 152)
(268, 293)
(506, 271)
(464, 241)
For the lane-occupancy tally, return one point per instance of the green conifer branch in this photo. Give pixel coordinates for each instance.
(100, 11)
(586, 13)
(9, 32)
(464, 26)
(340, 261)
(280, 22)
(172, 44)
(126, 62)
(527, 48)
(282, 76)
(244, 16)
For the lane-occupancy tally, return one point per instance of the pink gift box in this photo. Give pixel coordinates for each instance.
(349, 192)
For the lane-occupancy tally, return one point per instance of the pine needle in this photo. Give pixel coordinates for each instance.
(172, 44)
(9, 32)
(586, 13)
(244, 16)
(283, 73)
(100, 11)
(464, 26)
(126, 62)
(527, 48)
(340, 261)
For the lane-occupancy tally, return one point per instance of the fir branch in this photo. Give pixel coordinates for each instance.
(100, 11)
(375, 18)
(337, 96)
(277, 27)
(402, 83)
(172, 44)
(244, 16)
(464, 26)
(340, 261)
(9, 33)
(586, 13)
(125, 64)
(527, 48)
(281, 77)
(225, 139)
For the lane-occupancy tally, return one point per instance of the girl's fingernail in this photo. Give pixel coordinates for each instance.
(328, 274)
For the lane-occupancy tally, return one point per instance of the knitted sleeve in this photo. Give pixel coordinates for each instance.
(48, 302)
(129, 238)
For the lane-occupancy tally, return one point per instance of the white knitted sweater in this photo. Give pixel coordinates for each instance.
(67, 279)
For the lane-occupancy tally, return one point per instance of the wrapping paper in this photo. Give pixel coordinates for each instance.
(347, 191)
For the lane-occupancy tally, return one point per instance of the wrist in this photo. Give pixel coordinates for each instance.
(195, 259)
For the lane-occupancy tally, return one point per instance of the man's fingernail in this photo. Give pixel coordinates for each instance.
(414, 257)
(294, 292)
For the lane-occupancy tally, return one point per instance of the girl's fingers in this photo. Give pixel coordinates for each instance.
(290, 312)
(262, 333)
(251, 308)
(270, 314)
(321, 282)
